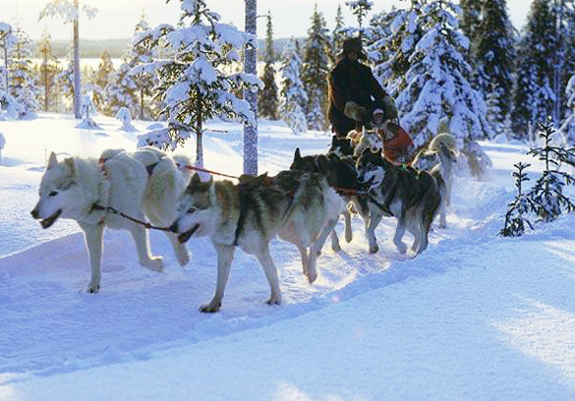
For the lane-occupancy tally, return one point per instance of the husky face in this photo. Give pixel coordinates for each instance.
(60, 196)
(195, 210)
(373, 140)
(371, 168)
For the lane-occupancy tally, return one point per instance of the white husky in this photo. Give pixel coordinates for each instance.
(146, 183)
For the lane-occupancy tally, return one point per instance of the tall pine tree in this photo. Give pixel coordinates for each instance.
(293, 95)
(315, 70)
(495, 54)
(568, 127)
(397, 48)
(438, 80)
(100, 80)
(533, 95)
(268, 96)
(22, 78)
(471, 18)
(337, 36)
(9, 107)
(194, 84)
(47, 71)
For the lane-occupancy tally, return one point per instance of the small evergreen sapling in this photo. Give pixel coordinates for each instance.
(125, 117)
(87, 108)
(515, 217)
(547, 193)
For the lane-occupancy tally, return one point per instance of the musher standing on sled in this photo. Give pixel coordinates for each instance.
(352, 90)
(354, 94)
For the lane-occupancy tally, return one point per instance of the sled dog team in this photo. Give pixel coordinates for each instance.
(301, 205)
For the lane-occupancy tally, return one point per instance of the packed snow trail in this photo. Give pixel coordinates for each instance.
(474, 316)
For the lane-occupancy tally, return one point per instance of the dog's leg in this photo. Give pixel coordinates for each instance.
(372, 224)
(93, 235)
(315, 249)
(270, 270)
(335, 242)
(442, 214)
(399, 231)
(141, 239)
(348, 231)
(225, 257)
(180, 250)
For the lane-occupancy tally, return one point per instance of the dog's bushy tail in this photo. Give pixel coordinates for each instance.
(181, 161)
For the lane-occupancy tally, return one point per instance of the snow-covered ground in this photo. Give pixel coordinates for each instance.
(476, 316)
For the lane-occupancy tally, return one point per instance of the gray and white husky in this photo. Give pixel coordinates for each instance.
(296, 206)
(143, 184)
(409, 195)
(440, 158)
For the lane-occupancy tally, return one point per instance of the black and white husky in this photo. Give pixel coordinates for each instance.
(410, 195)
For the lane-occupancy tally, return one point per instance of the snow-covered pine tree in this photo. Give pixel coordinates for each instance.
(48, 70)
(564, 56)
(533, 95)
(145, 80)
(396, 49)
(314, 72)
(360, 8)
(471, 18)
(22, 83)
(194, 84)
(547, 193)
(65, 83)
(515, 217)
(292, 96)
(9, 107)
(268, 96)
(122, 89)
(568, 127)
(495, 54)
(87, 109)
(337, 36)
(124, 116)
(438, 80)
(99, 81)
(70, 12)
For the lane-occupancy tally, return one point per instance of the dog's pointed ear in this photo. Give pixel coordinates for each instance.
(297, 155)
(70, 163)
(196, 180)
(52, 161)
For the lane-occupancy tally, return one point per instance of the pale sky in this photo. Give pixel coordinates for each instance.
(118, 18)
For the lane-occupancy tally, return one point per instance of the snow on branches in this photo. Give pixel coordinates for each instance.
(197, 82)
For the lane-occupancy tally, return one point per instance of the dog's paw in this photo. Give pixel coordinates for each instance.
(155, 264)
(184, 257)
(311, 276)
(374, 248)
(334, 246)
(212, 307)
(401, 247)
(93, 288)
(275, 300)
(348, 236)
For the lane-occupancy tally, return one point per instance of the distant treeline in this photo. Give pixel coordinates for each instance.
(90, 48)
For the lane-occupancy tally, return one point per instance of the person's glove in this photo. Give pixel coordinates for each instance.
(354, 111)
(390, 108)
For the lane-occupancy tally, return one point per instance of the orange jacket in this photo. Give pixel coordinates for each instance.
(399, 149)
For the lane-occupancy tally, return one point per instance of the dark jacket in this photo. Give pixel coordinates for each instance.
(350, 80)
